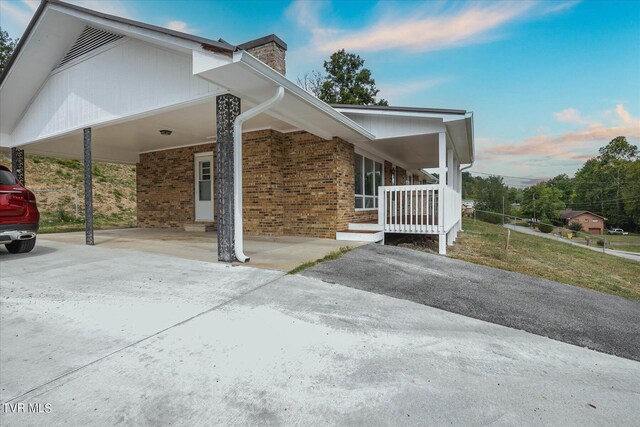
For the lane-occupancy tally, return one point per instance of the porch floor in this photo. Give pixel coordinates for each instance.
(271, 252)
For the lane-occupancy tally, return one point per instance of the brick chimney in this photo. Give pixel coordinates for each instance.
(269, 49)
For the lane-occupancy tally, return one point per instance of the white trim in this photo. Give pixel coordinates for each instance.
(196, 182)
(372, 156)
(277, 78)
(91, 54)
(148, 113)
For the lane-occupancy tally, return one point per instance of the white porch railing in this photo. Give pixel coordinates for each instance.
(418, 209)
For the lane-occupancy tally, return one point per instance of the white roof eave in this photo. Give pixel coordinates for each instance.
(250, 79)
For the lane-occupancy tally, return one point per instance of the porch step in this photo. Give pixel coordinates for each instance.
(199, 227)
(360, 235)
(364, 226)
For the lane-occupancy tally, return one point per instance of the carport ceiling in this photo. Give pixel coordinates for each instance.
(122, 142)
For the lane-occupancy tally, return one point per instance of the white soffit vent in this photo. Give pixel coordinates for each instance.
(90, 39)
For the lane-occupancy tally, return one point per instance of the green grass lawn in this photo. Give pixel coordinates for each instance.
(627, 248)
(484, 243)
(630, 238)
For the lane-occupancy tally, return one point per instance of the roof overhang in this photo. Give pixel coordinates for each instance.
(52, 31)
(254, 81)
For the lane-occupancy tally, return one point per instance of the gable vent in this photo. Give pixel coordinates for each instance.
(90, 39)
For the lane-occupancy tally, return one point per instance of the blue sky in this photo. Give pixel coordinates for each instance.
(548, 82)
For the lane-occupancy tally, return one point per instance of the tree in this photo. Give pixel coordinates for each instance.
(491, 194)
(7, 45)
(347, 81)
(542, 202)
(603, 184)
(565, 184)
(312, 82)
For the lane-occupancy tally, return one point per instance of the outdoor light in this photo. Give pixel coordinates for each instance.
(165, 132)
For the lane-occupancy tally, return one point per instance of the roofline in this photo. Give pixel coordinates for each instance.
(216, 44)
(262, 41)
(399, 109)
(22, 41)
(578, 213)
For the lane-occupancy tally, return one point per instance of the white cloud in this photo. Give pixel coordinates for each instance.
(181, 26)
(14, 13)
(32, 4)
(569, 115)
(393, 91)
(429, 26)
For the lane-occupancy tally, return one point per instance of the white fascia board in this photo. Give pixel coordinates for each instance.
(367, 112)
(294, 89)
(154, 37)
(204, 60)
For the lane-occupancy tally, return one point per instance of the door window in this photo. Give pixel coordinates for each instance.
(204, 181)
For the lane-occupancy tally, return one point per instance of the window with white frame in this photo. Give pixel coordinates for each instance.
(368, 175)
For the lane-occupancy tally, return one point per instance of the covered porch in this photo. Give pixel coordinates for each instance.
(434, 141)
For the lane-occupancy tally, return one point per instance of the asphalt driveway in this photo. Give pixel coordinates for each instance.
(114, 336)
(574, 315)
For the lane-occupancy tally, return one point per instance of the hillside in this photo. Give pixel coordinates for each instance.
(484, 243)
(114, 192)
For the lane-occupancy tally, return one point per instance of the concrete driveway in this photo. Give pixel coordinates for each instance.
(282, 253)
(114, 336)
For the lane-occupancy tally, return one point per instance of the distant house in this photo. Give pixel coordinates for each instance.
(589, 221)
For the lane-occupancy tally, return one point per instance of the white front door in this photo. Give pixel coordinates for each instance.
(204, 186)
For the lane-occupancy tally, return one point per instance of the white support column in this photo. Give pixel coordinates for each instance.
(460, 191)
(442, 244)
(442, 181)
(450, 167)
(454, 185)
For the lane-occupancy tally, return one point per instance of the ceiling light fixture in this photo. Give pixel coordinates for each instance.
(165, 132)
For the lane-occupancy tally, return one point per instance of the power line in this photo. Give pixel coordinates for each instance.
(537, 179)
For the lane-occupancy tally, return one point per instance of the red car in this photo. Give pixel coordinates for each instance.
(19, 216)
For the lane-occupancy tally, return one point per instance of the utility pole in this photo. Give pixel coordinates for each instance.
(533, 196)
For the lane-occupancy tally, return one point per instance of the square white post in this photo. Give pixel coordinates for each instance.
(442, 181)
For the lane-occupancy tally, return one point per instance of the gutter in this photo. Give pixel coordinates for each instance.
(295, 90)
(237, 168)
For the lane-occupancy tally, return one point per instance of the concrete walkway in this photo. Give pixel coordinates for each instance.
(112, 336)
(282, 253)
(567, 313)
(633, 256)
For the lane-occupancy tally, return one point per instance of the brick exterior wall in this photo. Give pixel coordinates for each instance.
(293, 184)
(272, 55)
(165, 186)
(401, 176)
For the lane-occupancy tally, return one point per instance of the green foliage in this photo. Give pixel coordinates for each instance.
(545, 228)
(330, 257)
(542, 202)
(609, 184)
(575, 226)
(565, 184)
(7, 45)
(490, 217)
(346, 81)
(492, 194)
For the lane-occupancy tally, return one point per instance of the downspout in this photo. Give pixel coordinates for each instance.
(237, 168)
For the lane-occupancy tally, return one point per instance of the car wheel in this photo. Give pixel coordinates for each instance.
(21, 246)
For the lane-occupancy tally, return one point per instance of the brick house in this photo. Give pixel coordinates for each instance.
(590, 222)
(220, 136)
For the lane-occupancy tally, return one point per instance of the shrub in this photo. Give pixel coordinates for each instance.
(489, 217)
(545, 228)
(601, 242)
(575, 226)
